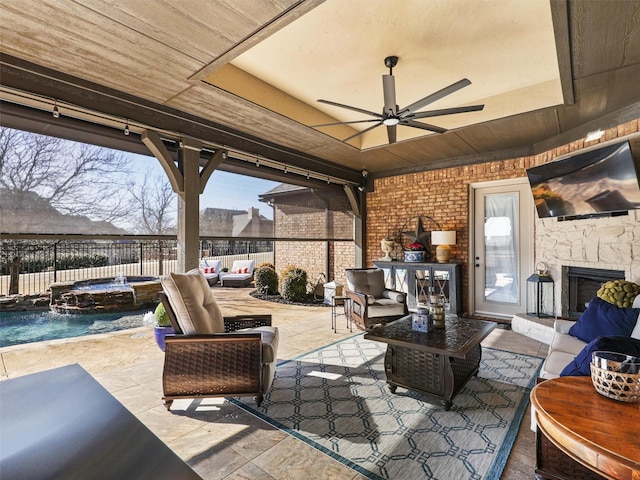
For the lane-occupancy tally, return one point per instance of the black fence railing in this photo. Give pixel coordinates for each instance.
(37, 263)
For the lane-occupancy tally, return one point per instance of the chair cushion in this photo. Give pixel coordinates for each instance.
(602, 318)
(192, 300)
(555, 363)
(393, 295)
(566, 343)
(270, 339)
(210, 267)
(369, 281)
(580, 365)
(385, 308)
(242, 267)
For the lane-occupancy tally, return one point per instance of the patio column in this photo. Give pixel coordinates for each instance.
(188, 181)
(358, 201)
(189, 205)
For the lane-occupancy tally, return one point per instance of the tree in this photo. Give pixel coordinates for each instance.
(153, 205)
(75, 178)
(45, 176)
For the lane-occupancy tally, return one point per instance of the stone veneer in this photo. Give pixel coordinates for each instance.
(607, 243)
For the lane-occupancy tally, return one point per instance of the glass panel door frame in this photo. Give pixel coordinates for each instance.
(526, 237)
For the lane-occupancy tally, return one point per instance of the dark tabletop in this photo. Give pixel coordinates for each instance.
(458, 337)
(62, 424)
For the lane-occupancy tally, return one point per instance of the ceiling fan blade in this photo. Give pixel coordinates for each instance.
(454, 87)
(344, 123)
(363, 131)
(444, 111)
(389, 91)
(423, 126)
(355, 109)
(391, 133)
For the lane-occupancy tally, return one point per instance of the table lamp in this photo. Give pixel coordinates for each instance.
(443, 239)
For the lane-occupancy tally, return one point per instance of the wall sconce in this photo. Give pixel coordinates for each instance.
(363, 183)
(443, 239)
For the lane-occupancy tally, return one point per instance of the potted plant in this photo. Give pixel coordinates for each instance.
(414, 252)
(162, 326)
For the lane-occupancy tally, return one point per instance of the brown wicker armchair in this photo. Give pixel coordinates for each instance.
(221, 361)
(370, 301)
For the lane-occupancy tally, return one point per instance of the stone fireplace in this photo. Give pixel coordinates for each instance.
(580, 284)
(583, 254)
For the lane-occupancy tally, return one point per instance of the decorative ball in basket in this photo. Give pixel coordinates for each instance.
(616, 375)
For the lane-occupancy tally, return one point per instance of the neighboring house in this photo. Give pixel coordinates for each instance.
(221, 222)
(321, 216)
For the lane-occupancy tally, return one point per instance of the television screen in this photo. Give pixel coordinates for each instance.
(595, 182)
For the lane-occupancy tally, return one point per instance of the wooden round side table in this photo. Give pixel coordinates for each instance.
(595, 431)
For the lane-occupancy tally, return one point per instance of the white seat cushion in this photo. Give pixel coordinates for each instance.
(210, 268)
(566, 343)
(555, 363)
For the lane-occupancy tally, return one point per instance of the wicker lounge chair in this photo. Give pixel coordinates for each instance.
(212, 355)
(240, 275)
(370, 301)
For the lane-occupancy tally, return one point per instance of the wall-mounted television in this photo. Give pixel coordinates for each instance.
(596, 182)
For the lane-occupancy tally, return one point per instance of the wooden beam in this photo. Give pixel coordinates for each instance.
(211, 165)
(352, 196)
(560, 19)
(154, 143)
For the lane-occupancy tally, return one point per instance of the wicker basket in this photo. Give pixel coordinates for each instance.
(624, 387)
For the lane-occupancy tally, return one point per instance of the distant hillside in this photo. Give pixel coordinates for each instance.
(28, 212)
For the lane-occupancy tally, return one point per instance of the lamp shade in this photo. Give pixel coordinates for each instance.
(443, 237)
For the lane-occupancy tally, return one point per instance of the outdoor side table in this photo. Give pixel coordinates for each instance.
(340, 301)
(62, 423)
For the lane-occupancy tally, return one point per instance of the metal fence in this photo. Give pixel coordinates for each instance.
(42, 262)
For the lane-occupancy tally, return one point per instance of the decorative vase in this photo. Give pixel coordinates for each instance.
(159, 333)
(414, 255)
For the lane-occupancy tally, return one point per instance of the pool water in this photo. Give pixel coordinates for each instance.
(25, 327)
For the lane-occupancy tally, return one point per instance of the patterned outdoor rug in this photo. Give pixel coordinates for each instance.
(336, 399)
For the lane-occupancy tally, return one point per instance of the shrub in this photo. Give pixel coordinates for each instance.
(161, 317)
(266, 279)
(267, 264)
(72, 261)
(294, 284)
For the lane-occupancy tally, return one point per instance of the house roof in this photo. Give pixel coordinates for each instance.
(245, 75)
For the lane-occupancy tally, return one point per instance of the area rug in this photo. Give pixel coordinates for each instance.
(336, 399)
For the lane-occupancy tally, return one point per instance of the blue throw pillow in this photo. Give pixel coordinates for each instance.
(579, 367)
(602, 318)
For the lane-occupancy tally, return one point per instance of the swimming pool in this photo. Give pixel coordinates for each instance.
(25, 327)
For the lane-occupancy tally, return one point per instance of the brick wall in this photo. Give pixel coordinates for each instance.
(444, 196)
(309, 215)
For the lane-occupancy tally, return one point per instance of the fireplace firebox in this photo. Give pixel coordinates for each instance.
(580, 284)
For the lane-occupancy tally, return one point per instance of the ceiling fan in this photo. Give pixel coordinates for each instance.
(392, 116)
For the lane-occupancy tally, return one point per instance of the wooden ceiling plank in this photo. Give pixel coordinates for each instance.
(604, 36)
(296, 11)
(114, 64)
(199, 29)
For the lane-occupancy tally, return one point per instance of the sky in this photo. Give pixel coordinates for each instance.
(223, 190)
